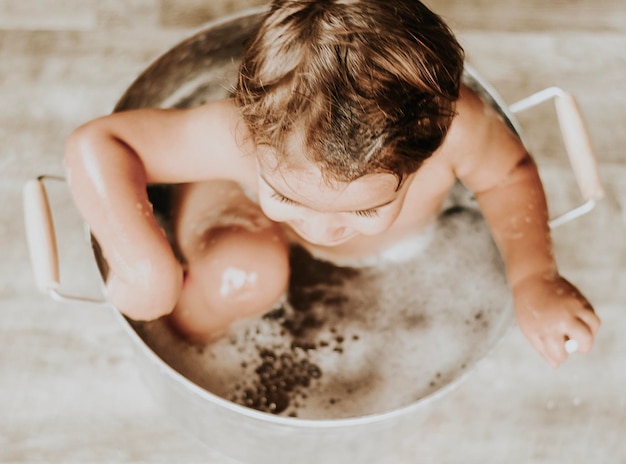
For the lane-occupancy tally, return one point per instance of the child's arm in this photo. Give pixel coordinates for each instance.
(491, 161)
(109, 162)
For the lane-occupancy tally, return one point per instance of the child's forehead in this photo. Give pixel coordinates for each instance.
(291, 157)
(305, 183)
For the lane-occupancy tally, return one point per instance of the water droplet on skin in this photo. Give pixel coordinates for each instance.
(234, 280)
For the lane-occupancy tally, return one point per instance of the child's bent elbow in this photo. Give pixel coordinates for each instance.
(76, 142)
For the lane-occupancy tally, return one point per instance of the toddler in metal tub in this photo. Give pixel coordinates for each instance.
(348, 126)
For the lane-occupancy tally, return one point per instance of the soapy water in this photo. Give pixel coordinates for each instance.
(355, 341)
(348, 341)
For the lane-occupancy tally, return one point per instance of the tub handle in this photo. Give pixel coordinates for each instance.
(41, 239)
(577, 145)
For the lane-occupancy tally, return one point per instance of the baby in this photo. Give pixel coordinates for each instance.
(348, 126)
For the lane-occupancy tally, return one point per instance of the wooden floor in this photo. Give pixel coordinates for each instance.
(69, 390)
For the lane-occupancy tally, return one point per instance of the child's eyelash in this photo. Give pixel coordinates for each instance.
(367, 213)
(282, 199)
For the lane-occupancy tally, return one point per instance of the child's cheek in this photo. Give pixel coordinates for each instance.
(379, 229)
(275, 211)
(372, 226)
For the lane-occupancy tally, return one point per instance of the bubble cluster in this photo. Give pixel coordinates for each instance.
(281, 370)
(280, 378)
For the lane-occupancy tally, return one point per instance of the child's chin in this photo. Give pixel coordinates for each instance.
(327, 243)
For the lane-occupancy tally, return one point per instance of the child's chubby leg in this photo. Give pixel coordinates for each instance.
(236, 260)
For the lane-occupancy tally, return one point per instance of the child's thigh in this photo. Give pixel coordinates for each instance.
(202, 207)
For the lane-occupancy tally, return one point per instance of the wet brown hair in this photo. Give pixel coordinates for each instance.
(372, 83)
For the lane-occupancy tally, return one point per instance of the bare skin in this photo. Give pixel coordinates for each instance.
(110, 161)
(235, 260)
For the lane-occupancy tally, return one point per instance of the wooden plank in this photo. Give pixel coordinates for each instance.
(48, 14)
(193, 13)
(533, 15)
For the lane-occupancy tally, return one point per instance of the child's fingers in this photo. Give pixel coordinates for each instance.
(591, 319)
(581, 332)
(586, 313)
(122, 296)
(538, 345)
(152, 294)
(555, 351)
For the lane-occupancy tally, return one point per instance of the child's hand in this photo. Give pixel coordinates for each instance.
(150, 291)
(550, 311)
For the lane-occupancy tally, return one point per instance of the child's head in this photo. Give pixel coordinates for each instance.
(352, 86)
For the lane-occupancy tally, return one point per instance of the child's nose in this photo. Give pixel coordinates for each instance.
(323, 227)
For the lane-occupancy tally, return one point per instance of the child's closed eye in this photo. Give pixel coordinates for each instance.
(283, 199)
(366, 213)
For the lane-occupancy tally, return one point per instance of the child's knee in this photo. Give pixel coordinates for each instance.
(237, 273)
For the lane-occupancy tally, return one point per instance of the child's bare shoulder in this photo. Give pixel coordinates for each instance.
(216, 133)
(480, 147)
(472, 120)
